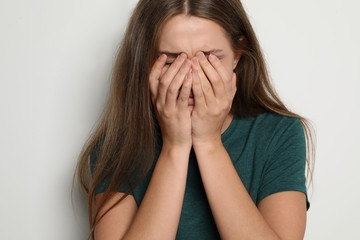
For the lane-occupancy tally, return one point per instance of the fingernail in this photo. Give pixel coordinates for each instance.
(182, 56)
(200, 55)
(195, 61)
(162, 57)
(212, 57)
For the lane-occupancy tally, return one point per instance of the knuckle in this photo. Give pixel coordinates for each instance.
(219, 112)
(216, 80)
(186, 84)
(207, 87)
(214, 112)
(196, 87)
(224, 106)
(199, 94)
(182, 98)
(163, 71)
(167, 112)
(158, 106)
(184, 88)
(162, 83)
(228, 81)
(172, 89)
(229, 77)
(196, 82)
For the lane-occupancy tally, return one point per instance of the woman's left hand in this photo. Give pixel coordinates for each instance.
(214, 89)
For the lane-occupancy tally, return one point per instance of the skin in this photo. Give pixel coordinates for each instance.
(213, 86)
(193, 36)
(198, 122)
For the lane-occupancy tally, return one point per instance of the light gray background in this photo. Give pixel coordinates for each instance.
(56, 59)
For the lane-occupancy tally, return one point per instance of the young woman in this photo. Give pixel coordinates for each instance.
(194, 142)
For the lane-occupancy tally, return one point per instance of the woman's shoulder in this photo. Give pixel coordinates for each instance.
(277, 129)
(270, 126)
(269, 120)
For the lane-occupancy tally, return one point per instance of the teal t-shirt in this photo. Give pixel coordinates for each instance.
(269, 154)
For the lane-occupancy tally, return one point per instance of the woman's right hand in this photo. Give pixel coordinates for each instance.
(170, 90)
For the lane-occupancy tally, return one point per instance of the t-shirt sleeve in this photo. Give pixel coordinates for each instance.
(285, 166)
(105, 183)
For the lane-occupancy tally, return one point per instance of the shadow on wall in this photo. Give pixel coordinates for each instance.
(79, 208)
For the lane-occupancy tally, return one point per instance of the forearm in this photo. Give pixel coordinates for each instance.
(235, 214)
(159, 212)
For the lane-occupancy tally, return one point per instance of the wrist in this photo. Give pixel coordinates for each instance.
(176, 149)
(175, 157)
(171, 143)
(208, 144)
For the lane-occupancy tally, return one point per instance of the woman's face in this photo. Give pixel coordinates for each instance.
(189, 34)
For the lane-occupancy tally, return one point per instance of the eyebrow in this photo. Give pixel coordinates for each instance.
(175, 54)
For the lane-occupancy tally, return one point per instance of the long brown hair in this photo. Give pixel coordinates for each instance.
(127, 128)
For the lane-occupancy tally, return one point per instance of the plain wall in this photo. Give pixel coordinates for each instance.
(56, 59)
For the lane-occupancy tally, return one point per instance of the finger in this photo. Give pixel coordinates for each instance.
(163, 71)
(204, 82)
(220, 69)
(168, 77)
(199, 97)
(212, 75)
(174, 87)
(184, 94)
(155, 74)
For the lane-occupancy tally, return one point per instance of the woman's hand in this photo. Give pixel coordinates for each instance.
(170, 89)
(214, 90)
